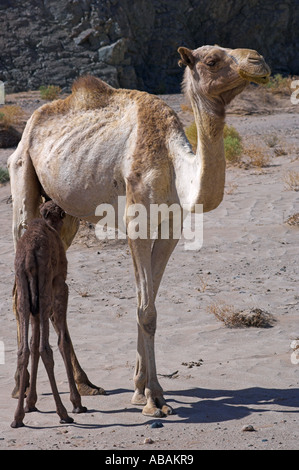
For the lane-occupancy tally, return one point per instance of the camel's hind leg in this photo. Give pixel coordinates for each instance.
(23, 356)
(25, 190)
(59, 314)
(15, 393)
(85, 387)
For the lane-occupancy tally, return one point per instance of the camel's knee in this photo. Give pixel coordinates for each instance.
(147, 319)
(23, 357)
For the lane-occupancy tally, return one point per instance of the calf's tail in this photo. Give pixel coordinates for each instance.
(33, 291)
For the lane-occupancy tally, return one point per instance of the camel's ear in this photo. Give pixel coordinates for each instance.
(43, 211)
(187, 57)
(62, 214)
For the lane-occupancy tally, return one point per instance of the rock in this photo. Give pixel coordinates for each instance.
(157, 424)
(248, 428)
(9, 137)
(148, 440)
(295, 344)
(109, 74)
(140, 39)
(112, 54)
(83, 36)
(295, 357)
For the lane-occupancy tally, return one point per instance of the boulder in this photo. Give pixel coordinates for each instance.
(9, 137)
(134, 44)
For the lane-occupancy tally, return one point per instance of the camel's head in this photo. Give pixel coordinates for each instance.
(53, 214)
(219, 73)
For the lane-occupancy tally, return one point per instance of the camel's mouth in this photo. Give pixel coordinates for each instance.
(261, 80)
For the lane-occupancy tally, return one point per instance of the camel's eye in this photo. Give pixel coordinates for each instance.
(211, 63)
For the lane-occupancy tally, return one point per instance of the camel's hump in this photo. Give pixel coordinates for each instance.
(90, 92)
(91, 84)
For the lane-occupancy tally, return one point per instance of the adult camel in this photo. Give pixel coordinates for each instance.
(101, 143)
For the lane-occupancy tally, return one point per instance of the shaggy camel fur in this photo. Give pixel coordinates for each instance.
(101, 143)
(40, 272)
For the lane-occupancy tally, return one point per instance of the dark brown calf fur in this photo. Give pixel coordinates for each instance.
(41, 270)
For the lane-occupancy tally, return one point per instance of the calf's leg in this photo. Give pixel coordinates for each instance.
(60, 289)
(46, 354)
(34, 352)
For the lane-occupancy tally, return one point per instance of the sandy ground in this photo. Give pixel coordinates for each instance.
(244, 376)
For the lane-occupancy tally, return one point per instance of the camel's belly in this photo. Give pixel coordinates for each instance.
(80, 192)
(85, 167)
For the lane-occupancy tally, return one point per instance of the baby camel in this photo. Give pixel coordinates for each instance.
(41, 270)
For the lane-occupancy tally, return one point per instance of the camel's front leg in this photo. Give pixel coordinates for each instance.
(161, 251)
(148, 391)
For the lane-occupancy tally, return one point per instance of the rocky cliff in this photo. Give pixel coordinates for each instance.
(133, 43)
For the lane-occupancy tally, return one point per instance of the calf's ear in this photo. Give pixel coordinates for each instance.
(43, 211)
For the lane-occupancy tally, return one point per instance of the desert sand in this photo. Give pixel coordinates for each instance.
(218, 379)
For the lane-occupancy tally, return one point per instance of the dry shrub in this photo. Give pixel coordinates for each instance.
(254, 317)
(221, 310)
(291, 180)
(231, 187)
(49, 92)
(232, 142)
(202, 283)
(230, 131)
(4, 175)
(279, 84)
(257, 156)
(233, 150)
(233, 147)
(280, 151)
(293, 220)
(186, 108)
(11, 115)
(271, 140)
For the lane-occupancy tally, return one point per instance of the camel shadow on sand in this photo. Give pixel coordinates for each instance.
(208, 406)
(202, 405)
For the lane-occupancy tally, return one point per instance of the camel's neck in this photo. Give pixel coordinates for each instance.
(210, 153)
(201, 177)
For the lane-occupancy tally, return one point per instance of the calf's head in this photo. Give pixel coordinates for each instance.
(52, 214)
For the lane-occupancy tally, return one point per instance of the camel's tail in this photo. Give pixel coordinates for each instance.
(33, 287)
(25, 293)
(33, 295)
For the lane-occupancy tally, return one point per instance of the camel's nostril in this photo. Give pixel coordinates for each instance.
(255, 59)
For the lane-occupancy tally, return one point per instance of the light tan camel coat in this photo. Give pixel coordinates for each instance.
(101, 143)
